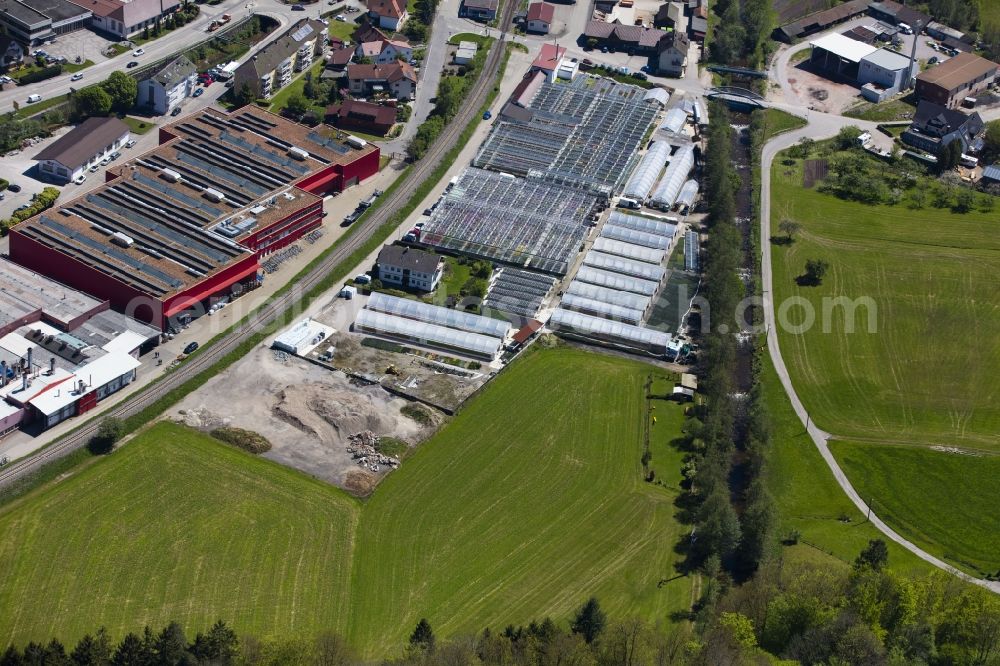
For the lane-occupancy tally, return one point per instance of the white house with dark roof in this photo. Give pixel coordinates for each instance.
(169, 87)
(409, 268)
(88, 143)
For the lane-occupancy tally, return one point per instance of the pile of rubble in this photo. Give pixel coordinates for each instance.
(363, 447)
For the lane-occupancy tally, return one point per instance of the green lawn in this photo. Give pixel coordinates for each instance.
(531, 500)
(138, 125)
(73, 67)
(28, 110)
(807, 497)
(945, 502)
(778, 122)
(893, 109)
(280, 99)
(342, 30)
(930, 373)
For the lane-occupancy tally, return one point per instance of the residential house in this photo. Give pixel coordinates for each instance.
(630, 38)
(388, 14)
(169, 87)
(364, 117)
(935, 126)
(409, 268)
(955, 79)
(274, 66)
(384, 51)
(671, 54)
(11, 52)
(671, 15)
(338, 59)
(68, 158)
(396, 79)
(479, 10)
(121, 20)
(548, 59)
(540, 17)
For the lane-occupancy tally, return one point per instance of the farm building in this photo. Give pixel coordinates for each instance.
(432, 314)
(884, 73)
(819, 21)
(524, 222)
(582, 134)
(187, 221)
(674, 177)
(518, 292)
(646, 174)
(599, 329)
(896, 13)
(435, 329)
(87, 144)
(955, 79)
(839, 55)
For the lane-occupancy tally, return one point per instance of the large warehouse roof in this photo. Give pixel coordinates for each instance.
(176, 215)
(464, 321)
(27, 296)
(843, 47)
(432, 334)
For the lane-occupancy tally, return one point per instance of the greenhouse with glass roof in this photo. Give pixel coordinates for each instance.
(423, 333)
(570, 323)
(433, 314)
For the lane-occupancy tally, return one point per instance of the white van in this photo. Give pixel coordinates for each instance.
(626, 202)
(34, 98)
(968, 161)
(905, 29)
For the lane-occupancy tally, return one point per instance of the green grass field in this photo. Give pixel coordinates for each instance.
(930, 373)
(946, 503)
(807, 497)
(531, 500)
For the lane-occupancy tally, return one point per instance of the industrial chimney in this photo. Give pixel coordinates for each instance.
(52, 365)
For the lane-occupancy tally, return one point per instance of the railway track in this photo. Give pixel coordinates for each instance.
(278, 306)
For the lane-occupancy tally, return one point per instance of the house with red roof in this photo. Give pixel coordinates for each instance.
(540, 17)
(388, 14)
(548, 59)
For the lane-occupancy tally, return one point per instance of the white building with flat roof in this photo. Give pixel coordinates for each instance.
(884, 73)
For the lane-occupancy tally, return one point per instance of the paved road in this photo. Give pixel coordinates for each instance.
(820, 127)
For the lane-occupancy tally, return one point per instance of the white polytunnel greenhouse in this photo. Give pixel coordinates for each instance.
(673, 178)
(464, 321)
(687, 195)
(650, 255)
(635, 237)
(674, 121)
(598, 328)
(644, 177)
(610, 262)
(616, 281)
(622, 298)
(659, 95)
(649, 225)
(601, 309)
(424, 333)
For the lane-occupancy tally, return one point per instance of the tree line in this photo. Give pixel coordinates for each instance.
(742, 34)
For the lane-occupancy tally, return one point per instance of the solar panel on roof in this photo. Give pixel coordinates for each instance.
(302, 32)
(209, 168)
(328, 143)
(101, 248)
(172, 193)
(254, 149)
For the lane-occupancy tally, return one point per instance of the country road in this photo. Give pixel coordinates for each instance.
(274, 309)
(821, 129)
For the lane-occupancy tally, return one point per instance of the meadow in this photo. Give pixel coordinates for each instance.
(944, 502)
(528, 502)
(930, 371)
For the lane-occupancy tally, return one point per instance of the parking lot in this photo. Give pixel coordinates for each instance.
(82, 44)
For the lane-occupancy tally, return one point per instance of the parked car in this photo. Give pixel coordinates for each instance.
(176, 111)
(138, 52)
(115, 155)
(14, 187)
(76, 77)
(191, 348)
(134, 63)
(298, 8)
(933, 60)
(106, 161)
(79, 180)
(487, 115)
(341, 18)
(198, 92)
(94, 168)
(130, 144)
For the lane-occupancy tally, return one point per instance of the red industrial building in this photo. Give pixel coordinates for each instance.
(187, 221)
